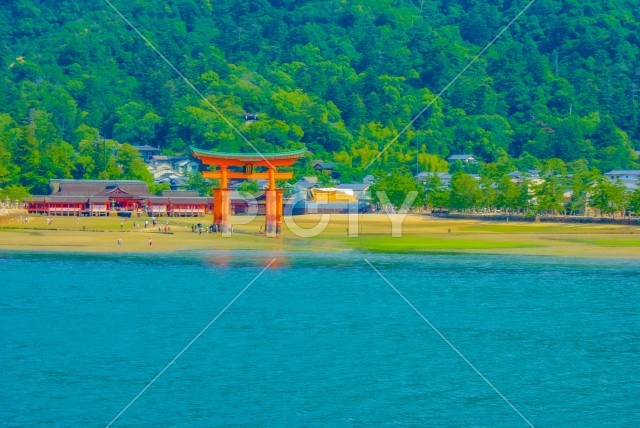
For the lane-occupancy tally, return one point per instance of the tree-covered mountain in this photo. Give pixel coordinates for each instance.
(340, 77)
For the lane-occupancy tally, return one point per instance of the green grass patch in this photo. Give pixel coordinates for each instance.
(612, 242)
(528, 228)
(418, 244)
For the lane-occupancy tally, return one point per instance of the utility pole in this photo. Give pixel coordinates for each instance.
(417, 159)
(104, 144)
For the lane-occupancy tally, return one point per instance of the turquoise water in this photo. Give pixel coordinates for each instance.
(318, 340)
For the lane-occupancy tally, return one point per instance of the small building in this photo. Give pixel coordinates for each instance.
(158, 206)
(89, 197)
(172, 170)
(518, 177)
(65, 205)
(359, 190)
(187, 166)
(624, 175)
(462, 158)
(250, 118)
(302, 188)
(243, 203)
(325, 201)
(445, 177)
(186, 206)
(100, 197)
(629, 177)
(172, 161)
(147, 152)
(180, 203)
(121, 195)
(325, 167)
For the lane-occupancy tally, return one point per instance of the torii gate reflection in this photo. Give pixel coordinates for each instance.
(249, 161)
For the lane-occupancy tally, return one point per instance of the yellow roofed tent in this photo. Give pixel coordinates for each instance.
(331, 194)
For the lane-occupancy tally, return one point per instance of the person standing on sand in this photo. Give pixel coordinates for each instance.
(150, 242)
(119, 242)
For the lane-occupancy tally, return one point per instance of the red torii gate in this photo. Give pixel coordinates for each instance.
(248, 161)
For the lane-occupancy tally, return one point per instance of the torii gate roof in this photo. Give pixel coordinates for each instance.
(240, 159)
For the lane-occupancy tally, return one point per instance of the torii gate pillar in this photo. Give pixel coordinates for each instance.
(274, 208)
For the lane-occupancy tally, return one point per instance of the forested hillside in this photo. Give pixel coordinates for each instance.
(339, 77)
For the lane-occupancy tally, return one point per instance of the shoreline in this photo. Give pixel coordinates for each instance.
(420, 235)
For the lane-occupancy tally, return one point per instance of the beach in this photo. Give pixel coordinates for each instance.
(416, 233)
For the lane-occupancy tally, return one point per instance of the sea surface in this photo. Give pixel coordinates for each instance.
(318, 339)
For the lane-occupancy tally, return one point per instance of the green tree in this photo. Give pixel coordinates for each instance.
(465, 192)
(431, 163)
(488, 191)
(614, 148)
(13, 193)
(549, 191)
(131, 165)
(633, 202)
(581, 184)
(508, 195)
(397, 186)
(203, 186)
(58, 160)
(436, 193)
(526, 197)
(608, 196)
(136, 124)
(249, 186)
(10, 135)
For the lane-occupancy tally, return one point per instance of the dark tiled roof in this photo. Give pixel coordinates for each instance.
(168, 158)
(180, 200)
(98, 187)
(460, 157)
(354, 186)
(157, 199)
(325, 165)
(67, 199)
(624, 172)
(235, 195)
(117, 192)
(191, 201)
(99, 199)
(61, 199)
(146, 148)
(179, 193)
(305, 184)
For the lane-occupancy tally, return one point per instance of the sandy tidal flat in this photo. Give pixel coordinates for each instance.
(369, 232)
